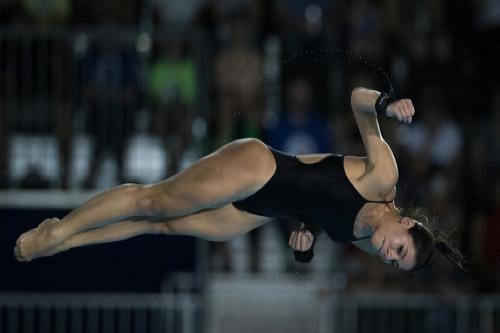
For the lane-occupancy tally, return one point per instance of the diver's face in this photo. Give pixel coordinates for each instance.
(394, 244)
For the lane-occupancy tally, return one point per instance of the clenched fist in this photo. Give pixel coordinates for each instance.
(402, 109)
(301, 240)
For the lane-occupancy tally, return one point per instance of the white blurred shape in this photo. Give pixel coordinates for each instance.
(146, 159)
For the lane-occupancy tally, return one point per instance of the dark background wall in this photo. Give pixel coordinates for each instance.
(136, 265)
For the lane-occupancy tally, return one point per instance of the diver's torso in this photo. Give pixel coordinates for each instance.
(314, 190)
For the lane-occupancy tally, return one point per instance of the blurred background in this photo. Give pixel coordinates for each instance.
(100, 92)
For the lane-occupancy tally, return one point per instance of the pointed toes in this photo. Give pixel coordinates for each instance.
(17, 254)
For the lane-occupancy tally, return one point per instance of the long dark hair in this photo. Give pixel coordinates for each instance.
(427, 238)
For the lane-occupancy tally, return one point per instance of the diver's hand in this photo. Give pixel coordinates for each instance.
(301, 240)
(402, 109)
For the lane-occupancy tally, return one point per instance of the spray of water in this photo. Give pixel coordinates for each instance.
(351, 58)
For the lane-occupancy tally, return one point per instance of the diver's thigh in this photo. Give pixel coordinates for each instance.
(219, 224)
(234, 171)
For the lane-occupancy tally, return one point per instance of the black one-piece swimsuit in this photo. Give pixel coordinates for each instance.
(319, 193)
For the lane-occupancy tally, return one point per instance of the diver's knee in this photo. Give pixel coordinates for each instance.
(160, 228)
(148, 202)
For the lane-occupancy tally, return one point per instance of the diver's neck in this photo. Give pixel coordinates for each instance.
(382, 214)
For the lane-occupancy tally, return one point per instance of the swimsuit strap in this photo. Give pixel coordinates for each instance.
(380, 201)
(362, 238)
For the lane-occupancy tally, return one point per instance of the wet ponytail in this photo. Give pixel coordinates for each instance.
(429, 242)
(453, 255)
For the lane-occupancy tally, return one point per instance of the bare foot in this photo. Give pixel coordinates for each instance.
(35, 242)
(61, 247)
(54, 250)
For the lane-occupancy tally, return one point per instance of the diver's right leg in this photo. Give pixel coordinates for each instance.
(234, 171)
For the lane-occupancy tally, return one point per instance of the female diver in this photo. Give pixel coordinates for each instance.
(246, 184)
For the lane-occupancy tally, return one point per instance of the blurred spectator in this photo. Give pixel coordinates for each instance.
(48, 12)
(111, 94)
(5, 79)
(365, 29)
(398, 20)
(443, 138)
(173, 85)
(177, 13)
(35, 92)
(345, 133)
(484, 43)
(488, 14)
(63, 81)
(432, 61)
(437, 135)
(490, 256)
(11, 12)
(442, 199)
(34, 179)
(239, 84)
(206, 19)
(215, 16)
(302, 27)
(300, 129)
(430, 147)
(302, 19)
(430, 15)
(4, 140)
(114, 12)
(227, 8)
(485, 145)
(238, 80)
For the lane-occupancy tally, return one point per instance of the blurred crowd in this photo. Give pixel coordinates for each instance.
(441, 54)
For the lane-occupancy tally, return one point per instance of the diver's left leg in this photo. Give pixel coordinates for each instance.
(110, 233)
(215, 225)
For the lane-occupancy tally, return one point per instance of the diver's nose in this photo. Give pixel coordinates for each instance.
(391, 254)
